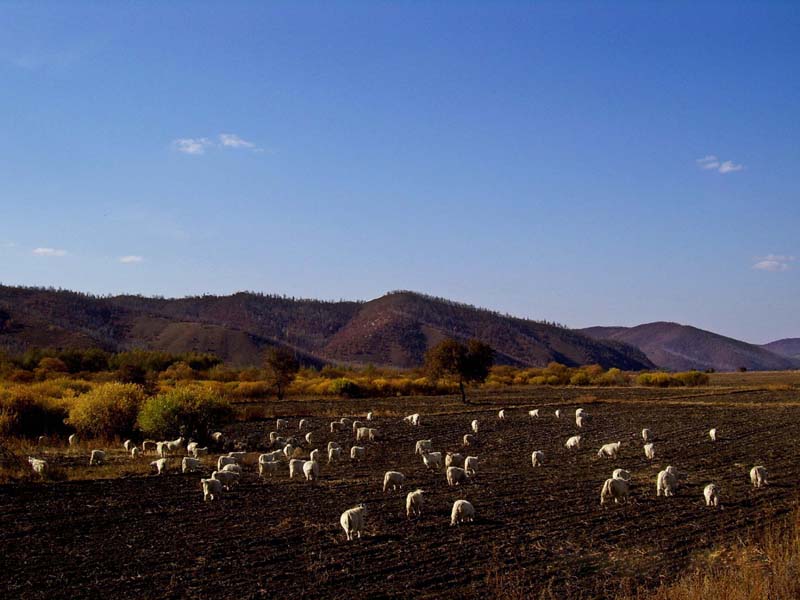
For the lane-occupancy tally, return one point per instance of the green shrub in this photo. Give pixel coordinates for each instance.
(27, 412)
(187, 411)
(107, 411)
(344, 387)
(580, 378)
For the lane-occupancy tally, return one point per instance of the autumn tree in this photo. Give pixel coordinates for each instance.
(467, 363)
(281, 366)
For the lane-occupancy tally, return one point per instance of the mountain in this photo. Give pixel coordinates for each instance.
(681, 347)
(789, 347)
(393, 330)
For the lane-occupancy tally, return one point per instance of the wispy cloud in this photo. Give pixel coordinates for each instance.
(49, 252)
(192, 145)
(711, 162)
(231, 140)
(131, 259)
(774, 263)
(223, 141)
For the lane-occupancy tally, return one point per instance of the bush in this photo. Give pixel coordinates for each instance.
(187, 411)
(109, 410)
(27, 412)
(344, 387)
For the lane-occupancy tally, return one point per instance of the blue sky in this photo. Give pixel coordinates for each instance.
(542, 159)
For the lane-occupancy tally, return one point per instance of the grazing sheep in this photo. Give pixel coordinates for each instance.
(225, 460)
(621, 474)
(582, 420)
(362, 433)
(369, 416)
(373, 435)
(394, 479)
(462, 512)
(558, 413)
(667, 482)
(218, 438)
(281, 424)
(533, 414)
(414, 502)
(311, 470)
(309, 437)
(135, 452)
(149, 446)
(226, 478)
(432, 460)
(173, 446)
(238, 456)
(615, 488)
(314, 455)
(711, 494)
(712, 433)
(189, 465)
(758, 476)
(267, 466)
(41, 440)
(232, 469)
(302, 424)
(197, 451)
(38, 465)
(73, 439)
(335, 426)
(650, 451)
(128, 445)
(412, 419)
(574, 443)
(352, 521)
(357, 425)
(423, 446)
(647, 436)
(579, 412)
(161, 449)
(334, 455)
(288, 451)
(452, 459)
(190, 447)
(212, 489)
(609, 450)
(537, 458)
(344, 421)
(296, 467)
(471, 465)
(469, 440)
(474, 426)
(160, 465)
(456, 476)
(98, 457)
(501, 414)
(358, 453)
(333, 445)
(274, 436)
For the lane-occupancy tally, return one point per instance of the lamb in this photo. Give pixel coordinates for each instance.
(267, 466)
(501, 414)
(135, 452)
(609, 450)
(579, 412)
(356, 425)
(197, 451)
(533, 414)
(414, 502)
(311, 470)
(225, 460)
(758, 476)
(471, 465)
(394, 479)
(650, 451)
(537, 458)
(160, 465)
(647, 436)
(232, 469)
(149, 446)
(469, 440)
(352, 521)
(302, 424)
(423, 446)
(581, 420)
(474, 426)
(295, 467)
(334, 455)
(226, 478)
(358, 453)
(189, 465)
(558, 413)
(452, 459)
(362, 433)
(73, 439)
(281, 424)
(190, 447)
(432, 460)
(462, 512)
(38, 465)
(456, 476)
(335, 426)
(309, 437)
(712, 433)
(667, 482)
(574, 443)
(621, 474)
(412, 419)
(212, 489)
(615, 488)
(711, 494)
(128, 445)
(97, 457)
(288, 451)
(314, 455)
(369, 416)
(333, 445)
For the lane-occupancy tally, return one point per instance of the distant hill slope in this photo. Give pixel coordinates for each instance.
(394, 330)
(681, 347)
(789, 347)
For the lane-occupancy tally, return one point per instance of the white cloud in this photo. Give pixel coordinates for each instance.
(774, 263)
(192, 145)
(49, 252)
(711, 163)
(131, 259)
(231, 140)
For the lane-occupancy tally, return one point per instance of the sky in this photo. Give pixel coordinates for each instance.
(587, 163)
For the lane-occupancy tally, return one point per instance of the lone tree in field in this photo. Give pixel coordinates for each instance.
(282, 367)
(468, 363)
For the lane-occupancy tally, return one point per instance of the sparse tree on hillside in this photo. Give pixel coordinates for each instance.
(281, 366)
(467, 363)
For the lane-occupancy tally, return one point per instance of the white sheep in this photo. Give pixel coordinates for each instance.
(373, 434)
(356, 425)
(225, 460)
(38, 465)
(288, 451)
(296, 467)
(302, 424)
(314, 455)
(309, 437)
(621, 474)
(281, 424)
(647, 436)
(161, 449)
(758, 476)
(311, 470)
(394, 479)
(344, 421)
(358, 453)
(469, 440)
(609, 450)
(335, 426)
(453, 459)
(711, 494)
(128, 445)
(501, 414)
(412, 419)
(232, 469)
(414, 503)
(334, 455)
(173, 446)
(474, 426)
(667, 482)
(369, 416)
(97, 457)
(333, 445)
(274, 436)
(533, 414)
(135, 452)
(650, 451)
(558, 413)
(471, 465)
(239, 456)
(456, 476)
(362, 433)
(432, 460)
(462, 512)
(615, 488)
(352, 521)
(189, 464)
(212, 489)
(197, 451)
(423, 446)
(537, 458)
(160, 465)
(149, 446)
(712, 433)
(581, 420)
(574, 443)
(267, 466)
(226, 478)
(218, 437)
(579, 412)
(190, 448)
(73, 439)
